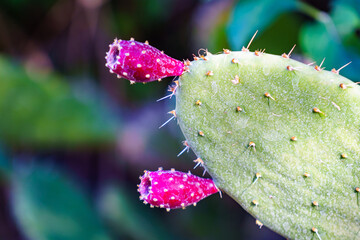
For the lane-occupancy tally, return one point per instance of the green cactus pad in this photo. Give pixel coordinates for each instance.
(280, 137)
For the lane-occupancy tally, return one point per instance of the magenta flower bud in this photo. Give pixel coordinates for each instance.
(140, 62)
(173, 189)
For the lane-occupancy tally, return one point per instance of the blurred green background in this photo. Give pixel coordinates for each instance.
(74, 138)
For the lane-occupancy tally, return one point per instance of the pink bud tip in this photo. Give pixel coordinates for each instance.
(173, 189)
(141, 62)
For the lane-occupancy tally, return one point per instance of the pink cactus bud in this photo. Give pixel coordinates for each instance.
(173, 189)
(140, 62)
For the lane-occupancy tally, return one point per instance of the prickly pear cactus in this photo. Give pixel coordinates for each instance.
(280, 137)
(173, 189)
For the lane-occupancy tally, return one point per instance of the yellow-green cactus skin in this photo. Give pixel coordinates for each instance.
(280, 137)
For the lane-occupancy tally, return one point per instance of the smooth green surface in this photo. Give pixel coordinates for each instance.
(285, 196)
(47, 206)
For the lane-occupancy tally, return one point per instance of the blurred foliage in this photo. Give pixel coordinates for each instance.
(17, 7)
(249, 16)
(333, 36)
(127, 219)
(40, 110)
(48, 206)
(336, 39)
(5, 168)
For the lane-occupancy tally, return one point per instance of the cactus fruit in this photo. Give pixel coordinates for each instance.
(140, 62)
(173, 189)
(279, 136)
(275, 133)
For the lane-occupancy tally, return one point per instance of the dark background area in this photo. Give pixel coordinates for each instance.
(74, 139)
